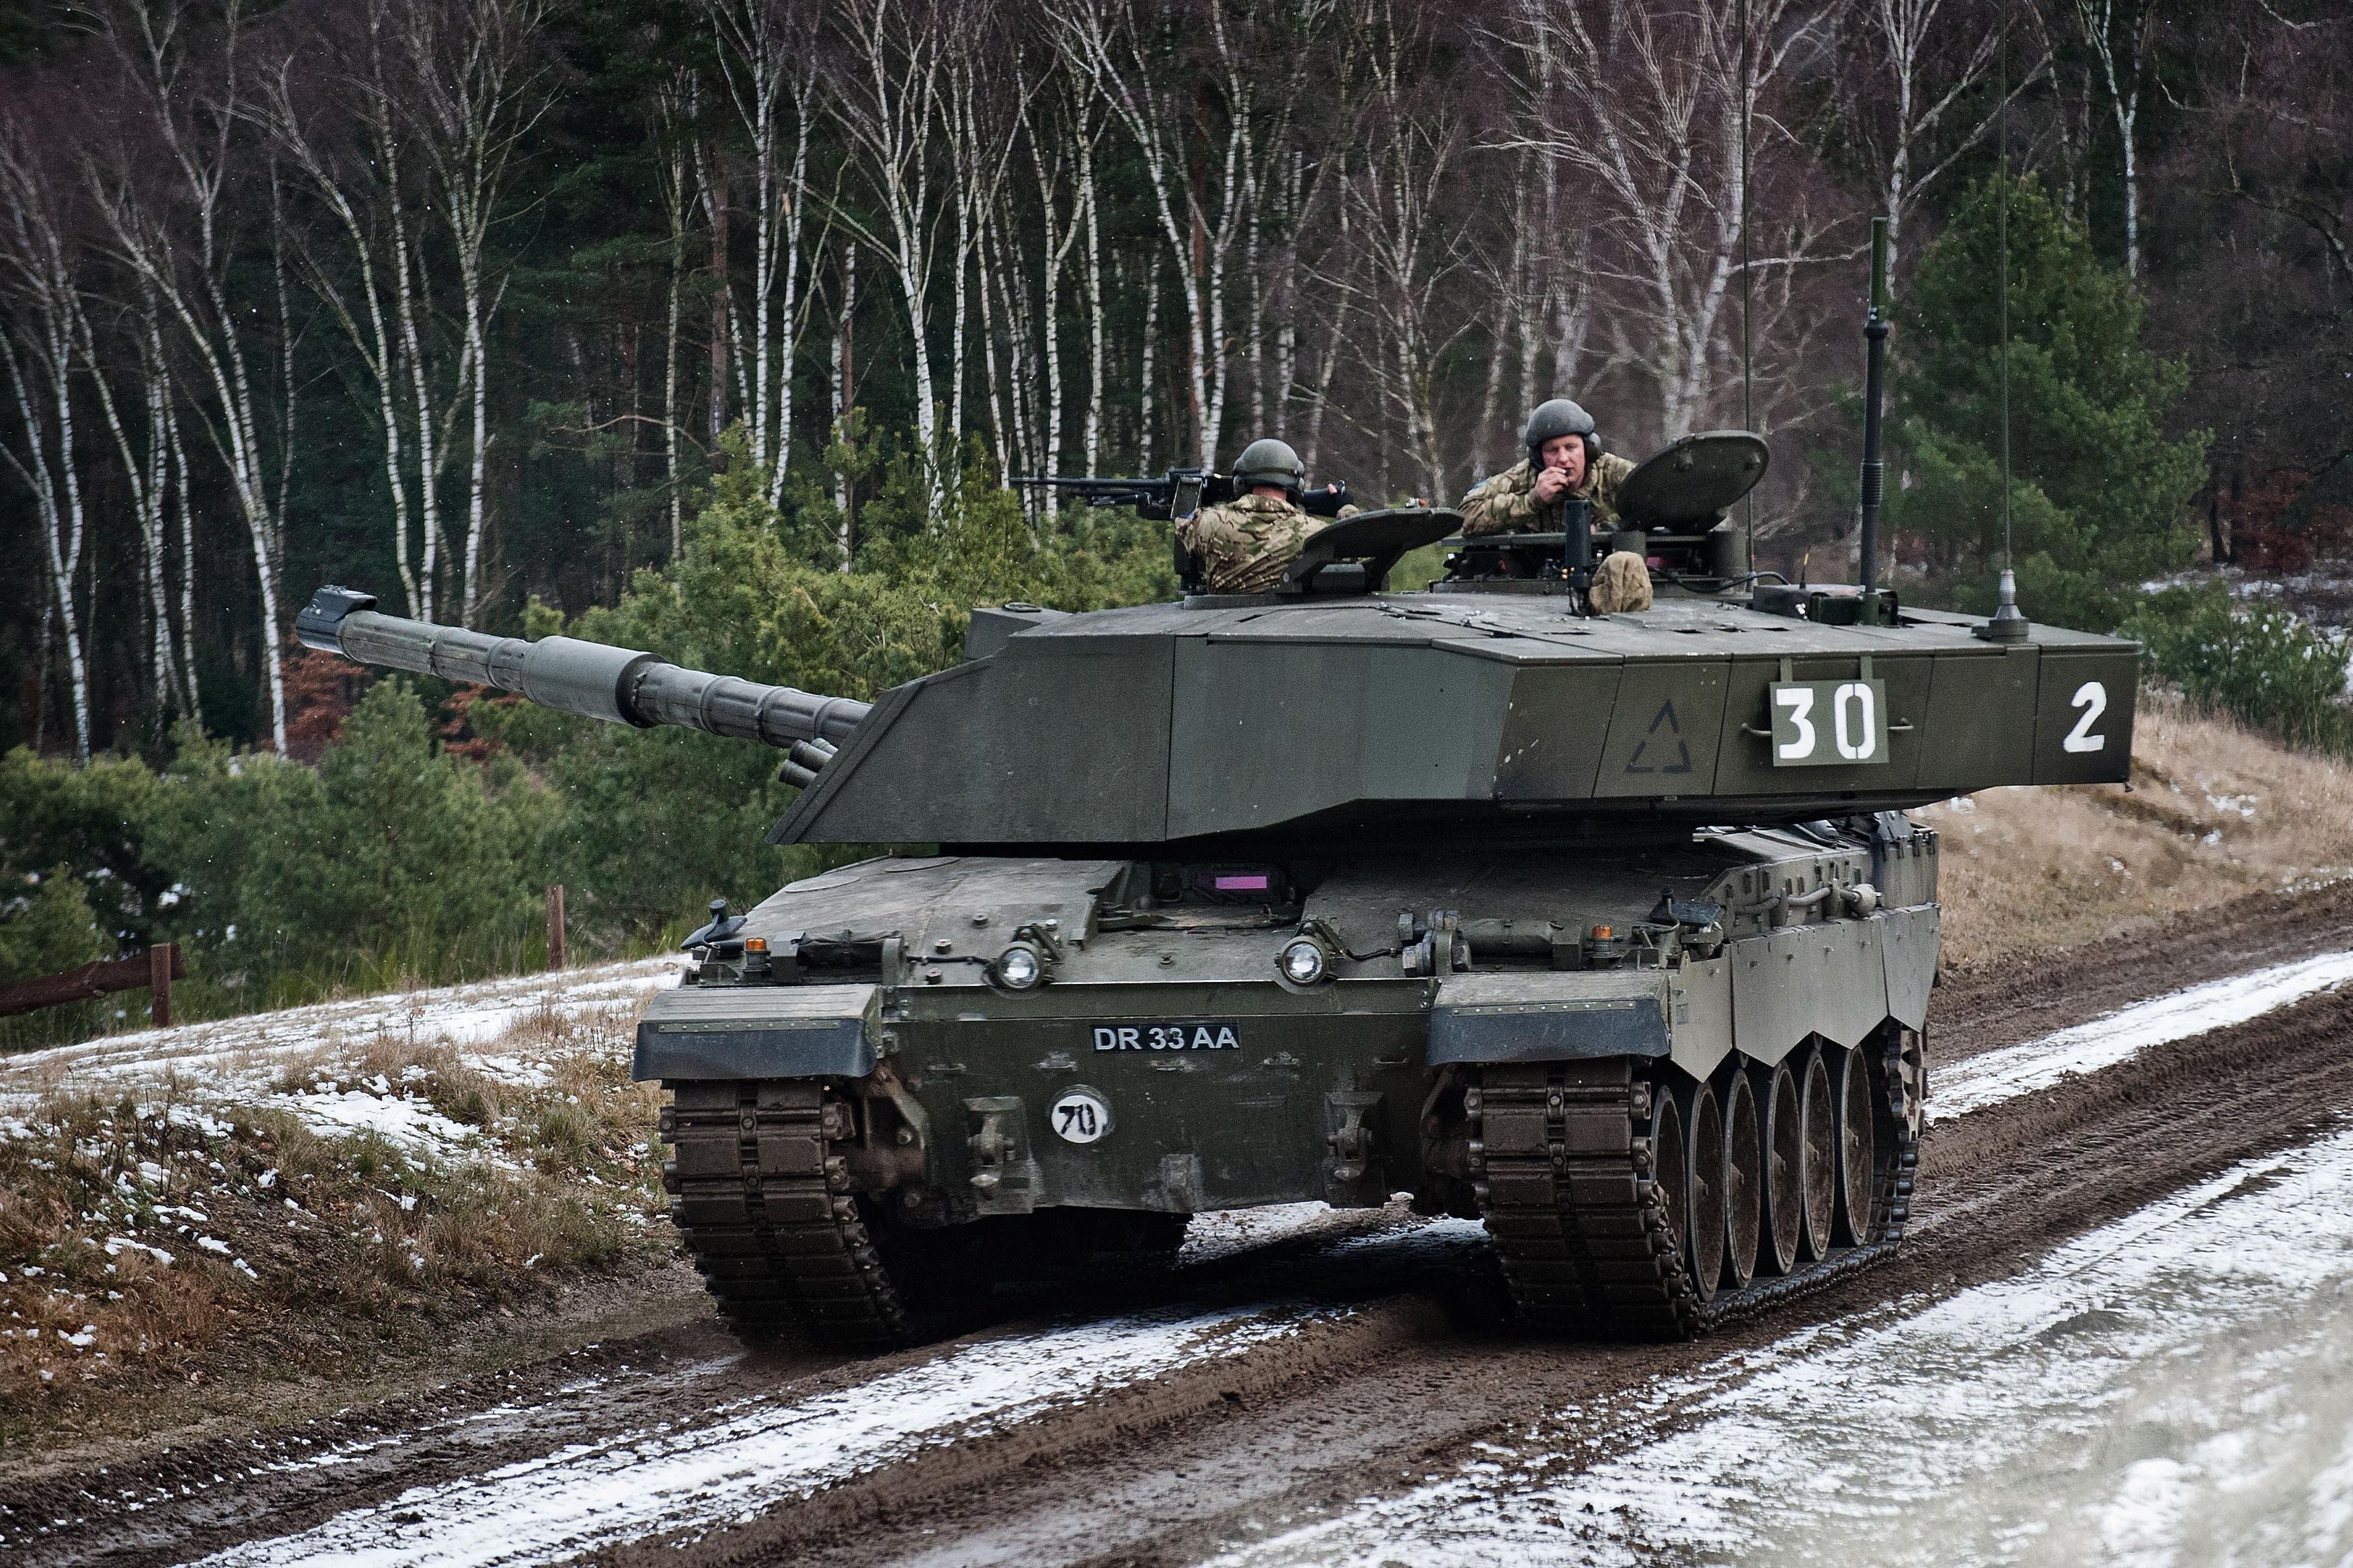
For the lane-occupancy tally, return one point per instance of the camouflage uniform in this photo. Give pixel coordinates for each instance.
(1507, 504)
(1243, 546)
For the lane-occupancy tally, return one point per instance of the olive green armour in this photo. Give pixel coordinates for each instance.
(1507, 503)
(1243, 546)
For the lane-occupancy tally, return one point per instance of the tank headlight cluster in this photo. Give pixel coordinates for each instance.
(1019, 967)
(1304, 962)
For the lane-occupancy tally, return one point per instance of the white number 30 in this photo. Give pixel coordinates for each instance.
(2092, 699)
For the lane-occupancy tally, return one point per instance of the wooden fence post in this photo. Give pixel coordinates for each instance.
(159, 983)
(555, 925)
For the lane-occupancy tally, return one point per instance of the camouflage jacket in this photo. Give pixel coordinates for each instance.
(1507, 504)
(1243, 546)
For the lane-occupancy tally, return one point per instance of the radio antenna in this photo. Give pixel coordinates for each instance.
(1747, 341)
(2009, 623)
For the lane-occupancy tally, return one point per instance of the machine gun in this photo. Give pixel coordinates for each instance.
(1180, 493)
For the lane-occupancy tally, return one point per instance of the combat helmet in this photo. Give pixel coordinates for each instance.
(1553, 419)
(1271, 462)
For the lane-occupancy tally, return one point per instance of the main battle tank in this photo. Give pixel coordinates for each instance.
(1610, 930)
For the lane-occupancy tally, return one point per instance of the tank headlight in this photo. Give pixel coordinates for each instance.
(1303, 962)
(1019, 968)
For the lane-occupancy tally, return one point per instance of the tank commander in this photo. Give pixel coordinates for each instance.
(1243, 545)
(1565, 462)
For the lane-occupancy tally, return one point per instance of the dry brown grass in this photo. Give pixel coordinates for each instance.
(141, 1240)
(2215, 811)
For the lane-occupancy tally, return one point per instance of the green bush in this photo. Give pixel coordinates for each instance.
(391, 859)
(2264, 666)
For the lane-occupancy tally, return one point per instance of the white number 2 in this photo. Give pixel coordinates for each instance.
(2092, 699)
(1800, 701)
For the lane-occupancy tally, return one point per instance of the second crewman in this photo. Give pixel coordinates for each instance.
(1243, 546)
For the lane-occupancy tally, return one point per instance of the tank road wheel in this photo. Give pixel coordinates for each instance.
(1744, 1180)
(1857, 1149)
(1816, 1156)
(1704, 1227)
(1784, 1148)
(1669, 1172)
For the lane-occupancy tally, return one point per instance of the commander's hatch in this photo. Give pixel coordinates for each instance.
(1687, 487)
(1352, 555)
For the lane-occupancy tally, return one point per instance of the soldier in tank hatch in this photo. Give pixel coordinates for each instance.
(1565, 462)
(1243, 546)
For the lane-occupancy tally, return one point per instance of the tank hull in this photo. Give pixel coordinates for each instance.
(1166, 1065)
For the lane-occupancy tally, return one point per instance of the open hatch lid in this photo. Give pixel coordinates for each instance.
(1692, 481)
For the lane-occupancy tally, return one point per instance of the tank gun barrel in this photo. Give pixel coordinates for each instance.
(596, 681)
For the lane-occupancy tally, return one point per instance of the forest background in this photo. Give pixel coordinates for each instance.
(715, 327)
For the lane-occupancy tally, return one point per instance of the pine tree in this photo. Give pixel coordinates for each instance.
(2100, 500)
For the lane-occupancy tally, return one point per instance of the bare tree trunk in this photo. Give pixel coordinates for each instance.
(143, 476)
(714, 203)
(44, 297)
(190, 272)
(184, 514)
(767, 54)
(1645, 103)
(888, 104)
(1095, 317)
(845, 371)
(360, 212)
(2121, 60)
(479, 90)
(1105, 42)
(674, 121)
(1144, 371)
(1904, 35)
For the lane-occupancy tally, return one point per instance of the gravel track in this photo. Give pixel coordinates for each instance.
(1399, 1362)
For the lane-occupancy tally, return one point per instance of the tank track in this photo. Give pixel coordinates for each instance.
(765, 1212)
(1581, 1228)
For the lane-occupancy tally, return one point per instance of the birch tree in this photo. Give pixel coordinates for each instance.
(1200, 214)
(673, 125)
(1927, 56)
(766, 51)
(1406, 256)
(479, 87)
(2117, 31)
(886, 98)
(38, 346)
(170, 221)
(372, 289)
(1649, 112)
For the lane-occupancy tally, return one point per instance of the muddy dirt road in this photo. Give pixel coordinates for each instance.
(1314, 1386)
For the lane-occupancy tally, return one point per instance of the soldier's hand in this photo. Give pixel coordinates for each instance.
(1550, 483)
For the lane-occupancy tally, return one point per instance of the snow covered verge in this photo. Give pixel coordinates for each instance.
(288, 1188)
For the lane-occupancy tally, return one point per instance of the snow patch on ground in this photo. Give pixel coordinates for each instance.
(1997, 1076)
(198, 1072)
(752, 1455)
(1227, 1231)
(2174, 1389)
(411, 1125)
